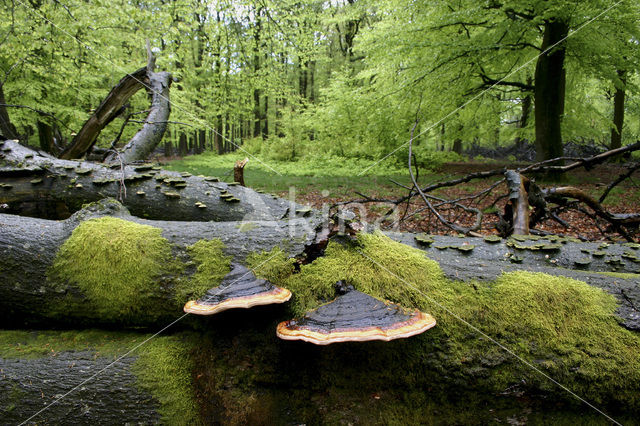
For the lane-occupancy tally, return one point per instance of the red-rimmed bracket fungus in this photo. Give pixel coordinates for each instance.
(355, 317)
(239, 289)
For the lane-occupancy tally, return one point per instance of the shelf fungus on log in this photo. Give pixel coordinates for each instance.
(240, 288)
(356, 317)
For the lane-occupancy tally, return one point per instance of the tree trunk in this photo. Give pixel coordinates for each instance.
(618, 112)
(302, 85)
(168, 149)
(106, 112)
(145, 141)
(265, 116)
(7, 129)
(457, 146)
(45, 137)
(218, 136)
(31, 293)
(36, 181)
(524, 117)
(183, 145)
(549, 92)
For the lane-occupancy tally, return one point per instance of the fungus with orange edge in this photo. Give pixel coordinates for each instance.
(355, 317)
(239, 289)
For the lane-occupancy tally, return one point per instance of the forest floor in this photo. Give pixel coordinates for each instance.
(329, 182)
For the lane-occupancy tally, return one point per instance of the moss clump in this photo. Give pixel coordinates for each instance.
(354, 264)
(565, 327)
(212, 266)
(164, 369)
(274, 266)
(116, 266)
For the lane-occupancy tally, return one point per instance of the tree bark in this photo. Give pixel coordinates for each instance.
(618, 112)
(41, 181)
(30, 294)
(30, 383)
(524, 117)
(147, 139)
(549, 92)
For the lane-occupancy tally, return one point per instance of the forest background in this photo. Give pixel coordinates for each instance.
(329, 87)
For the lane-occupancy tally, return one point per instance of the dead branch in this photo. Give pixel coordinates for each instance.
(618, 181)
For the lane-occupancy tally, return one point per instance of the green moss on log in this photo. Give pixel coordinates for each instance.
(164, 368)
(117, 266)
(212, 266)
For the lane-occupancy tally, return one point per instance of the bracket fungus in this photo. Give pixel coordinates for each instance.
(355, 317)
(240, 288)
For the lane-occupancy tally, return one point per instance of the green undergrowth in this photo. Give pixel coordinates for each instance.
(563, 327)
(212, 266)
(163, 366)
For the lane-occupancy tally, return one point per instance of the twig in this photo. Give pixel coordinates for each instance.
(122, 191)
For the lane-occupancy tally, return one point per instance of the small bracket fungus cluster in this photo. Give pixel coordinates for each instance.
(352, 317)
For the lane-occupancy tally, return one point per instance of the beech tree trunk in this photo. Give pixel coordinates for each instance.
(524, 117)
(550, 82)
(29, 294)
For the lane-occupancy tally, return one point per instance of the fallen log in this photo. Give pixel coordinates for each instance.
(104, 266)
(242, 373)
(40, 185)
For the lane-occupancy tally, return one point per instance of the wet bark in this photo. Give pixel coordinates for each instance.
(30, 384)
(35, 184)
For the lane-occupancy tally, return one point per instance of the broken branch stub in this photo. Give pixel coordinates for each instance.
(519, 201)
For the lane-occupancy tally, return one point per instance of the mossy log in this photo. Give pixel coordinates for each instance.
(40, 368)
(614, 268)
(456, 372)
(37, 184)
(104, 266)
